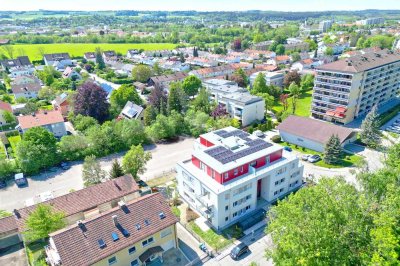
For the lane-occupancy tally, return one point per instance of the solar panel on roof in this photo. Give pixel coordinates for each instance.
(114, 236)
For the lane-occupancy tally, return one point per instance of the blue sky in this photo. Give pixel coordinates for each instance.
(200, 5)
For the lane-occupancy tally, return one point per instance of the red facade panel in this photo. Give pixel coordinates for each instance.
(196, 161)
(205, 142)
(275, 156)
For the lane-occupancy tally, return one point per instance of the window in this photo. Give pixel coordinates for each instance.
(235, 204)
(225, 175)
(226, 218)
(236, 171)
(234, 214)
(276, 183)
(213, 174)
(132, 250)
(248, 197)
(253, 164)
(267, 160)
(226, 207)
(275, 193)
(135, 263)
(112, 260)
(166, 232)
(203, 166)
(281, 190)
(248, 207)
(147, 241)
(241, 169)
(282, 180)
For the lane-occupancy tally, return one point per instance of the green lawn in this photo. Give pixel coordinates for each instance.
(216, 241)
(78, 49)
(175, 210)
(347, 160)
(2, 151)
(303, 105)
(14, 140)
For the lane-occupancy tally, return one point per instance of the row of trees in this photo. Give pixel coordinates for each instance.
(335, 223)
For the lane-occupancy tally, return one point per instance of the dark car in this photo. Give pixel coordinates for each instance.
(287, 148)
(65, 166)
(239, 250)
(3, 184)
(20, 180)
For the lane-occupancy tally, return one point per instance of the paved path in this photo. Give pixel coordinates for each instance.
(101, 80)
(165, 157)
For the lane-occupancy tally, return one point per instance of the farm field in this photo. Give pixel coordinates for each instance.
(78, 49)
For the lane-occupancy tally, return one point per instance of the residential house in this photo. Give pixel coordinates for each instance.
(78, 205)
(53, 121)
(231, 171)
(132, 53)
(202, 62)
(4, 107)
(280, 60)
(158, 53)
(212, 72)
(109, 56)
(163, 81)
(258, 54)
(337, 48)
(297, 46)
(61, 103)
(313, 134)
(71, 73)
(305, 64)
(59, 61)
(262, 46)
(132, 111)
(135, 233)
(18, 67)
(25, 86)
(237, 101)
(90, 56)
(175, 66)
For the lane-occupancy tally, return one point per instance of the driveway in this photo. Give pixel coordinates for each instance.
(164, 159)
(101, 80)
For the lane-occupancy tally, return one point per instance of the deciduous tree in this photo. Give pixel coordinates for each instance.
(134, 161)
(91, 100)
(191, 85)
(141, 73)
(92, 173)
(292, 76)
(295, 93)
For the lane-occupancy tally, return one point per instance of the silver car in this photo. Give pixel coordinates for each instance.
(315, 158)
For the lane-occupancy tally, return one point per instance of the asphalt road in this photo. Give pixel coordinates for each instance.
(164, 159)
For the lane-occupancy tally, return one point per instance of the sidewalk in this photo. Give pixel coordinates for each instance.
(188, 244)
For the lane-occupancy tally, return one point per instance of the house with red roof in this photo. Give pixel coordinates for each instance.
(4, 107)
(53, 121)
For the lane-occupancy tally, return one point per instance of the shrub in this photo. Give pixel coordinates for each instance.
(191, 215)
(276, 139)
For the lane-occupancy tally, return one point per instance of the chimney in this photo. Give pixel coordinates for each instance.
(121, 204)
(81, 226)
(17, 214)
(115, 220)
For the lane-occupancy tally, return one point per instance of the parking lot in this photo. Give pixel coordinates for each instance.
(165, 156)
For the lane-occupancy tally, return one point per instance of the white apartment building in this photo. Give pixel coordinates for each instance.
(325, 25)
(370, 21)
(349, 88)
(271, 78)
(231, 171)
(238, 102)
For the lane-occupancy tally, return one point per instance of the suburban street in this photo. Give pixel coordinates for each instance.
(61, 182)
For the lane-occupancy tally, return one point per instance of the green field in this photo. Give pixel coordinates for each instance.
(78, 49)
(303, 105)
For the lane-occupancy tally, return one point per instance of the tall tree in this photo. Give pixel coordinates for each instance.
(237, 44)
(92, 173)
(177, 99)
(43, 221)
(325, 224)
(191, 85)
(37, 150)
(284, 100)
(120, 97)
(141, 73)
(280, 49)
(292, 76)
(240, 77)
(202, 101)
(219, 111)
(91, 100)
(149, 115)
(333, 150)
(116, 170)
(260, 84)
(295, 92)
(158, 99)
(99, 59)
(134, 161)
(307, 82)
(370, 133)
(157, 69)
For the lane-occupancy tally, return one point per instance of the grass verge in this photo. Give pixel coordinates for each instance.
(347, 160)
(212, 238)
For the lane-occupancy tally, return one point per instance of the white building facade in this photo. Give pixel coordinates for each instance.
(231, 171)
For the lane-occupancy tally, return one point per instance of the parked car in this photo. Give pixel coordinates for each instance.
(239, 250)
(259, 133)
(3, 184)
(20, 180)
(287, 148)
(65, 166)
(305, 157)
(315, 158)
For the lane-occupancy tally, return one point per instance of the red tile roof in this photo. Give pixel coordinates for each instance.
(87, 198)
(40, 119)
(313, 129)
(5, 106)
(80, 247)
(7, 225)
